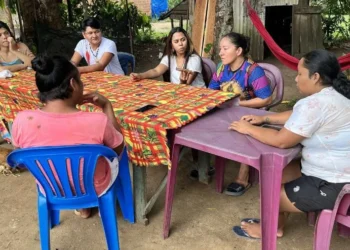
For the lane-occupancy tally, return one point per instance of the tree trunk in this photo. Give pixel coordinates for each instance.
(223, 23)
(39, 11)
(20, 20)
(9, 20)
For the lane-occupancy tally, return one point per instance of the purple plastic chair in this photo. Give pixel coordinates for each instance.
(209, 69)
(226, 144)
(275, 78)
(326, 219)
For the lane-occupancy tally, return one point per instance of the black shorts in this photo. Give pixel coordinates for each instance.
(311, 194)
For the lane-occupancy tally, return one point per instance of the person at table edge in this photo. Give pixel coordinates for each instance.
(180, 62)
(321, 123)
(59, 122)
(14, 56)
(99, 52)
(249, 80)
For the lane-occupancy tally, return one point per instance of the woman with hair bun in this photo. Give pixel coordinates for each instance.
(59, 122)
(321, 123)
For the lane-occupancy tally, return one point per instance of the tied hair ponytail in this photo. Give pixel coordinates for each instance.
(342, 85)
(327, 66)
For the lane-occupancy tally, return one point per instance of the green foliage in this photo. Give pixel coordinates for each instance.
(335, 20)
(208, 49)
(112, 15)
(150, 36)
(292, 102)
(173, 3)
(12, 5)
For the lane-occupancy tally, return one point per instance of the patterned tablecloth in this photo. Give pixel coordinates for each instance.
(144, 133)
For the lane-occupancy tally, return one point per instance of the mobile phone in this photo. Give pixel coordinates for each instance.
(275, 127)
(185, 70)
(146, 108)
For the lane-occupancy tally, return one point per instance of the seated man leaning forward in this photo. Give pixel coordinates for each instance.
(99, 52)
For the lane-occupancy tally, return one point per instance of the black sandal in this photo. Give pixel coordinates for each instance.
(236, 189)
(194, 173)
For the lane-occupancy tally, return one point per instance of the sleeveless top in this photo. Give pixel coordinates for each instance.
(14, 62)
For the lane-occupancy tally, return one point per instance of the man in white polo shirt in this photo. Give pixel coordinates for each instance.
(99, 52)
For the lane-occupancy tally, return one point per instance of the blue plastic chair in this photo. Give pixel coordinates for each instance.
(62, 193)
(125, 59)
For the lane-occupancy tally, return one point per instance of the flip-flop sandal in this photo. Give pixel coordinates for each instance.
(236, 189)
(241, 233)
(83, 215)
(250, 220)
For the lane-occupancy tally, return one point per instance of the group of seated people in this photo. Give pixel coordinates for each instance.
(320, 122)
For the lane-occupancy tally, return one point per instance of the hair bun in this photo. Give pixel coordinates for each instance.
(43, 65)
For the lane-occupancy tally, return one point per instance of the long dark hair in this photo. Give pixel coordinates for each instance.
(240, 41)
(6, 27)
(190, 50)
(53, 75)
(327, 66)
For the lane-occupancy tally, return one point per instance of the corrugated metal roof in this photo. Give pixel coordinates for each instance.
(242, 23)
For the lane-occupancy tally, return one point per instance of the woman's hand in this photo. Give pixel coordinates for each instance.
(253, 119)
(96, 99)
(12, 43)
(241, 126)
(185, 74)
(135, 76)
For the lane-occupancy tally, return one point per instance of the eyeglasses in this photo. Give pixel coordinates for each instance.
(96, 32)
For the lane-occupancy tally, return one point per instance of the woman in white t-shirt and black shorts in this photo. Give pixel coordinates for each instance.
(180, 59)
(321, 123)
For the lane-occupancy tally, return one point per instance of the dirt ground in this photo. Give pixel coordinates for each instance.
(201, 219)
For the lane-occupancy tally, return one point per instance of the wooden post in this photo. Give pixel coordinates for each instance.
(200, 16)
(191, 4)
(131, 33)
(139, 182)
(203, 167)
(304, 3)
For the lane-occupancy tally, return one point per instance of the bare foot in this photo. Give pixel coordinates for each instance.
(83, 213)
(254, 230)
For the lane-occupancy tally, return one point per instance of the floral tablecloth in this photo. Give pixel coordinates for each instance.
(144, 132)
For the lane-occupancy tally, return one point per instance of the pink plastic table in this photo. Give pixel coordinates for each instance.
(210, 134)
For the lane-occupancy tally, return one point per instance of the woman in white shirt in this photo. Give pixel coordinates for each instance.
(321, 123)
(180, 58)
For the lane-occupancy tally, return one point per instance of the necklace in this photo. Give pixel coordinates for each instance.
(94, 55)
